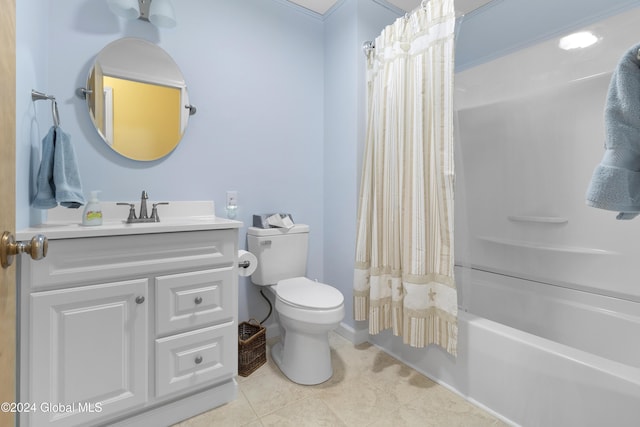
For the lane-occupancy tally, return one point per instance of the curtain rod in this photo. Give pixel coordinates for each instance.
(370, 45)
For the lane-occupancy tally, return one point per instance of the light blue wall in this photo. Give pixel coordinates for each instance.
(340, 145)
(31, 68)
(349, 25)
(255, 72)
(280, 97)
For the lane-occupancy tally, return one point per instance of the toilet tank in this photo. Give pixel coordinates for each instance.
(281, 253)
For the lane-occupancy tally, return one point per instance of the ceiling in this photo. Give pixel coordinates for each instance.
(322, 6)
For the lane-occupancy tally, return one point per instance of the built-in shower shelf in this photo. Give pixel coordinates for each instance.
(538, 219)
(545, 247)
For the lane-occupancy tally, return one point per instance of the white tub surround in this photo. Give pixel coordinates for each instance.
(554, 289)
(548, 286)
(129, 324)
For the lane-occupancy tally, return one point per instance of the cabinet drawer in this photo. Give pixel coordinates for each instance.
(193, 358)
(77, 261)
(194, 299)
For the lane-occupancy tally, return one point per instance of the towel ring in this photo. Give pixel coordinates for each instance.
(39, 96)
(54, 113)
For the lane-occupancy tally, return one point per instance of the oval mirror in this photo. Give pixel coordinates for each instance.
(137, 99)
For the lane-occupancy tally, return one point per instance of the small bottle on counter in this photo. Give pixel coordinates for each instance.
(92, 212)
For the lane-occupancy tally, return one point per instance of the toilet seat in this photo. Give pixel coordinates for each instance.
(306, 293)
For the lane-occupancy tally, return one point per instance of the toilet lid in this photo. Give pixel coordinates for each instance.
(308, 293)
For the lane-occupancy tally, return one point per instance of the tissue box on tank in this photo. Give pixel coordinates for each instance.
(260, 220)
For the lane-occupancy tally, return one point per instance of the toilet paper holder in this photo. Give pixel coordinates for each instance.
(246, 263)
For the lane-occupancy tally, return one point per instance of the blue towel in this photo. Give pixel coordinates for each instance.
(615, 184)
(45, 188)
(58, 179)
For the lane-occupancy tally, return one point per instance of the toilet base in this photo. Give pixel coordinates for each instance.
(304, 359)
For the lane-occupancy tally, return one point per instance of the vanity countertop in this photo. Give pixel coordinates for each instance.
(63, 223)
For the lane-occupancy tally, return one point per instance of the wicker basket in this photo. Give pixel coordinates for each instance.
(252, 352)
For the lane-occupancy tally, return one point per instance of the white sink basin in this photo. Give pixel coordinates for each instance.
(63, 223)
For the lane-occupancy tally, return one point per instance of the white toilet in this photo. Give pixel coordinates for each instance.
(307, 310)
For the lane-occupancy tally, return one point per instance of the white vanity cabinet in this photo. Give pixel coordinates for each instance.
(130, 329)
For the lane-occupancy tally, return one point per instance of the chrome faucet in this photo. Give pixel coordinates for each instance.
(143, 205)
(143, 216)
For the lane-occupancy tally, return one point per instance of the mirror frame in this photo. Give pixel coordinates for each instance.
(148, 69)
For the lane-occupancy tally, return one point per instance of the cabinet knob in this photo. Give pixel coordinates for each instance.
(198, 360)
(198, 300)
(139, 299)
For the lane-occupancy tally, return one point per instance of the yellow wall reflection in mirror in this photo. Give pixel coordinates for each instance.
(146, 118)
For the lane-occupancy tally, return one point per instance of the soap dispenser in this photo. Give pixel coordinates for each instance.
(92, 212)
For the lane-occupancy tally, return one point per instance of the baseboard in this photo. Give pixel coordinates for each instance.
(356, 336)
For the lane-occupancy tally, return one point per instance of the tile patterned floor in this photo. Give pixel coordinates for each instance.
(374, 391)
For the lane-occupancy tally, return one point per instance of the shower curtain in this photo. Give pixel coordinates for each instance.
(404, 267)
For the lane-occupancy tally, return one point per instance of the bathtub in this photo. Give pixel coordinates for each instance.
(544, 355)
(535, 354)
(548, 288)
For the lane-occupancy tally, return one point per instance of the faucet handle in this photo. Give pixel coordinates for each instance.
(154, 211)
(132, 210)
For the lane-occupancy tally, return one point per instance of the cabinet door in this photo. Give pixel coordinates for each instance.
(88, 352)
